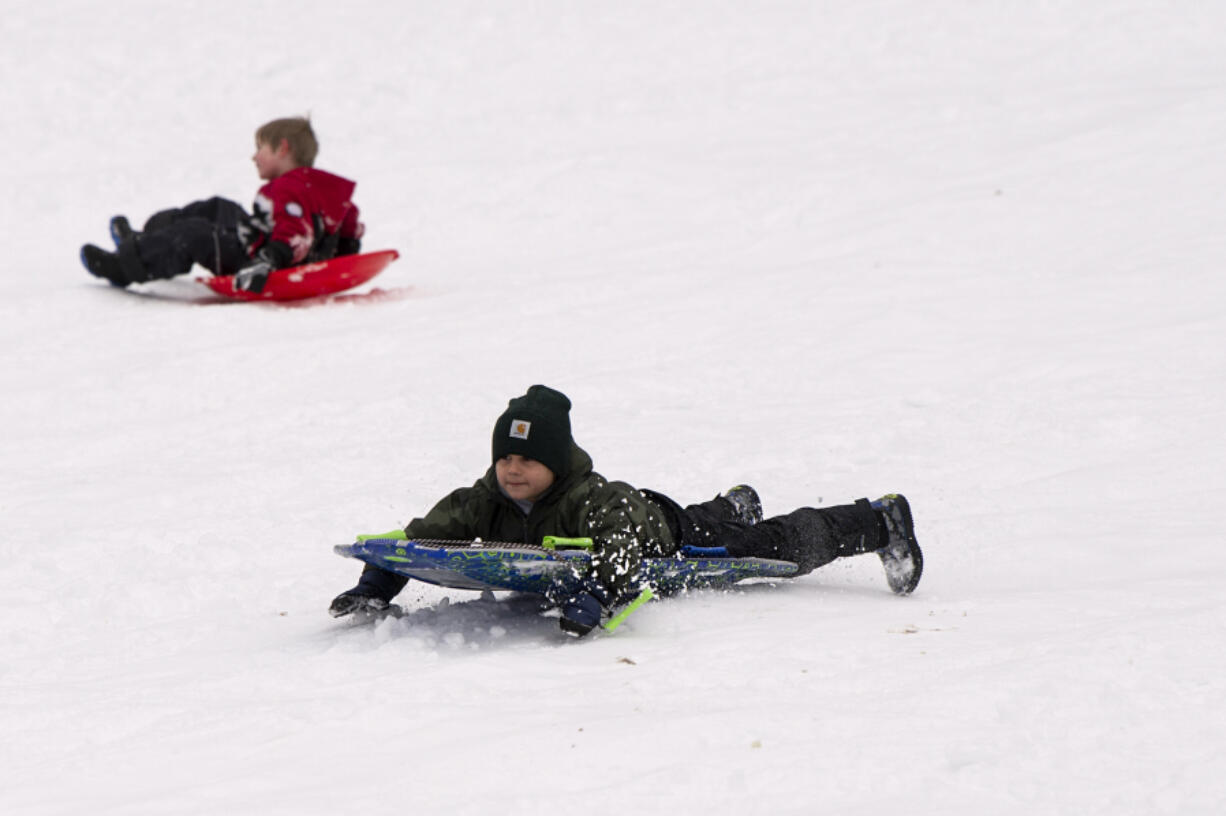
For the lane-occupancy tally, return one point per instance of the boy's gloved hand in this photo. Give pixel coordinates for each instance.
(586, 609)
(348, 602)
(581, 614)
(253, 276)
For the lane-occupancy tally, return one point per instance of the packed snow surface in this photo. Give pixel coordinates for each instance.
(971, 252)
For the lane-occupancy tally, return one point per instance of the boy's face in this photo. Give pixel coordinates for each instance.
(522, 479)
(271, 162)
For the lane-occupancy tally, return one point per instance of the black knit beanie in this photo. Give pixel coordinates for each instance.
(537, 426)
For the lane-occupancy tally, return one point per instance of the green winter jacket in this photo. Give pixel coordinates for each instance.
(624, 526)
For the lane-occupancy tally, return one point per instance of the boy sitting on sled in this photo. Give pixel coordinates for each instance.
(301, 214)
(541, 483)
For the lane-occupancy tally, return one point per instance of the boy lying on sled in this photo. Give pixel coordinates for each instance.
(542, 484)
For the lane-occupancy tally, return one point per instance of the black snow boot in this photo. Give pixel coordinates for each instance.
(121, 230)
(103, 264)
(744, 499)
(901, 556)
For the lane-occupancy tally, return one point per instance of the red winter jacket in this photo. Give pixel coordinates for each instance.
(289, 209)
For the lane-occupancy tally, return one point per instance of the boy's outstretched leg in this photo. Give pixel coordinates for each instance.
(901, 556)
(171, 243)
(176, 248)
(812, 537)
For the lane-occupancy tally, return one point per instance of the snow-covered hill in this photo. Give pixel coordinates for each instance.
(970, 252)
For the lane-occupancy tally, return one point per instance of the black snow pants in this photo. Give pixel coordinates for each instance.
(203, 232)
(809, 537)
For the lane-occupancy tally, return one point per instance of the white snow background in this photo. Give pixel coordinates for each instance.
(972, 252)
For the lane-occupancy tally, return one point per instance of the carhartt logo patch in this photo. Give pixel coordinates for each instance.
(520, 428)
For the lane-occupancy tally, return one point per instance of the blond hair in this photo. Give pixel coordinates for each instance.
(297, 132)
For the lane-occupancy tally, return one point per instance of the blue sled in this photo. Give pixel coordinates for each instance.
(541, 570)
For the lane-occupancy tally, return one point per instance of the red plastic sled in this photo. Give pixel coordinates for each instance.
(312, 279)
